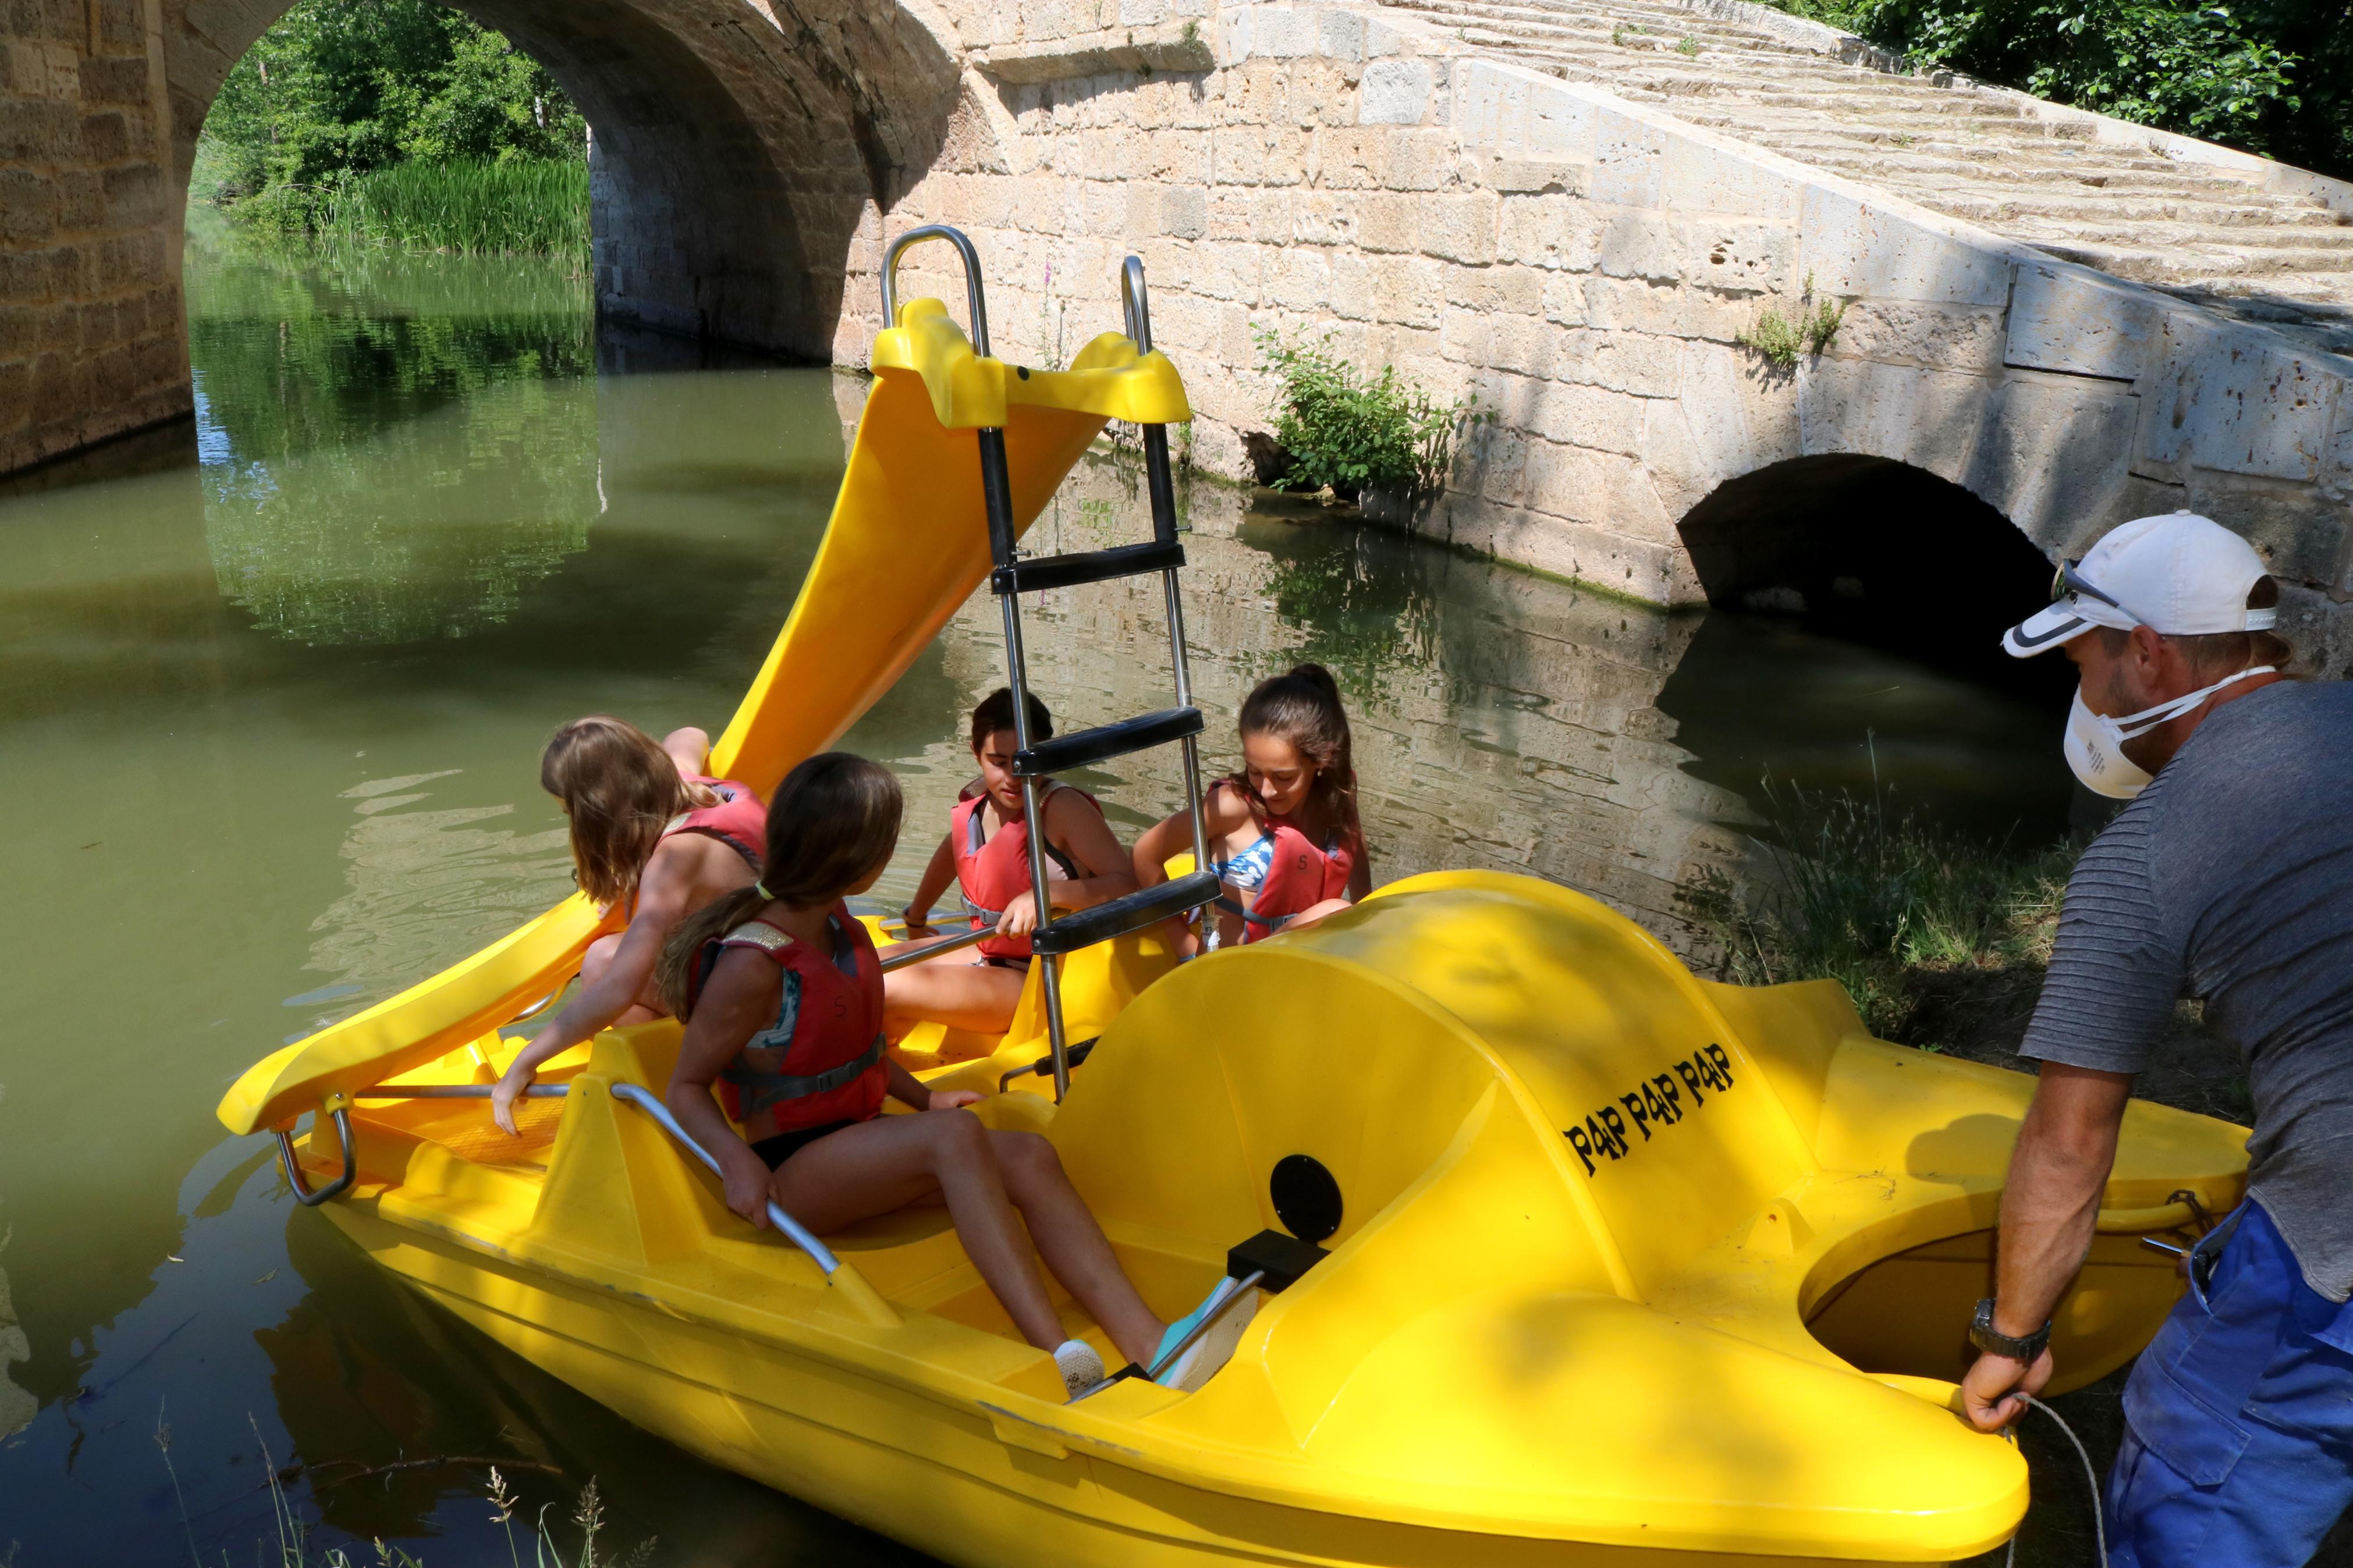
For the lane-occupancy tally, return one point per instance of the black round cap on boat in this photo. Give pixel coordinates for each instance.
(1306, 1198)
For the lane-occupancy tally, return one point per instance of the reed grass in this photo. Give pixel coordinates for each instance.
(473, 208)
(1890, 907)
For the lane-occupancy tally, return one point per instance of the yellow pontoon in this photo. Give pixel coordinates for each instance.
(1573, 1256)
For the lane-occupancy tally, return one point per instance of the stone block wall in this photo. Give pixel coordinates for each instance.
(1584, 266)
(93, 339)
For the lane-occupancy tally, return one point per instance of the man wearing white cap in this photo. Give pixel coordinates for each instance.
(2229, 876)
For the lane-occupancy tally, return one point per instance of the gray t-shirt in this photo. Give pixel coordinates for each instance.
(2231, 879)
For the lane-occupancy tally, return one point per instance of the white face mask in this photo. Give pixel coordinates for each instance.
(2096, 743)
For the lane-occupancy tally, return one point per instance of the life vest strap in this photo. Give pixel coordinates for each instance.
(761, 1090)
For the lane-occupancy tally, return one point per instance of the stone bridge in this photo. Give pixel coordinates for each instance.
(1572, 209)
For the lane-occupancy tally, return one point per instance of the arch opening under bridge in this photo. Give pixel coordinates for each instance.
(737, 150)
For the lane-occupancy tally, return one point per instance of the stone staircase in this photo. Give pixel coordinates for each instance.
(2199, 232)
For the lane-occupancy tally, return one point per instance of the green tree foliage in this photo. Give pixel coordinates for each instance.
(341, 88)
(2270, 76)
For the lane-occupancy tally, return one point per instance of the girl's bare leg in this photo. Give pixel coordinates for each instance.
(953, 990)
(593, 965)
(894, 1161)
(1073, 1245)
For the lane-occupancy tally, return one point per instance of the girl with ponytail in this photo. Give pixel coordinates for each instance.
(652, 833)
(1283, 833)
(781, 993)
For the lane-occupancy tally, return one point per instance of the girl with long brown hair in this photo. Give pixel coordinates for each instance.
(656, 836)
(1283, 833)
(781, 993)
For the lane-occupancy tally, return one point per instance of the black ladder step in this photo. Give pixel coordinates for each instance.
(1082, 747)
(1136, 911)
(1087, 566)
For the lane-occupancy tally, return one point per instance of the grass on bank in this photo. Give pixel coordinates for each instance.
(1941, 940)
(472, 208)
(1887, 906)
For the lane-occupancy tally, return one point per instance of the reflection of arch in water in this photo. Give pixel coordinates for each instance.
(738, 149)
(1876, 552)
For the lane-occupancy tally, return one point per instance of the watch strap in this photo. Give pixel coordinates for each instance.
(1987, 1338)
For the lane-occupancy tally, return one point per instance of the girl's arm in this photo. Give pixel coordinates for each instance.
(661, 904)
(739, 999)
(691, 749)
(908, 1089)
(1360, 876)
(1079, 827)
(936, 877)
(1223, 811)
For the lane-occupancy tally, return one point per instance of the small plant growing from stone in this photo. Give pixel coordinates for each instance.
(1617, 36)
(1353, 432)
(1689, 47)
(1782, 339)
(1903, 138)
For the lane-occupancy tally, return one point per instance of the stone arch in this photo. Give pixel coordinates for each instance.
(1873, 549)
(739, 147)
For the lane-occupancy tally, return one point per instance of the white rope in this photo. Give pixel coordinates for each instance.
(2090, 1478)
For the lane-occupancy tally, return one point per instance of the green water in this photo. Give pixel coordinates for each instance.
(271, 700)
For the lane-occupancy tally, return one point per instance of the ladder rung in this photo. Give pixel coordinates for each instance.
(1087, 566)
(1082, 747)
(1121, 915)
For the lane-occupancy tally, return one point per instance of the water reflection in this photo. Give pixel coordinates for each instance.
(439, 412)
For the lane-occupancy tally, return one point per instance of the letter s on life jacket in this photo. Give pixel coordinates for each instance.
(993, 872)
(739, 820)
(821, 1060)
(1301, 877)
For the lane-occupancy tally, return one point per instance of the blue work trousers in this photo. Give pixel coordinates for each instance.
(2238, 1451)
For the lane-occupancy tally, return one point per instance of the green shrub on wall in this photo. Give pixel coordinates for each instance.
(1352, 431)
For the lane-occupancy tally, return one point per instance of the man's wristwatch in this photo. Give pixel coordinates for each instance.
(1987, 1338)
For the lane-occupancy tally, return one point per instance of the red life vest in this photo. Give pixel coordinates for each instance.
(1300, 877)
(821, 1060)
(739, 820)
(993, 872)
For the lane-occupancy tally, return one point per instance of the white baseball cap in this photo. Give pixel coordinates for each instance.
(2180, 576)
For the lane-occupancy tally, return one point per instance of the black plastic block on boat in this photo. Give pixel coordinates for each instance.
(1082, 747)
(1044, 571)
(1121, 915)
(1280, 1258)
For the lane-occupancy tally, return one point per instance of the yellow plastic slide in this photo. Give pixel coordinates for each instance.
(908, 542)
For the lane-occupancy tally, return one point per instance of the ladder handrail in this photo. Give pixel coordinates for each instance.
(1133, 305)
(979, 312)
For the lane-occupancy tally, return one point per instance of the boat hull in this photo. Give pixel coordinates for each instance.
(903, 1464)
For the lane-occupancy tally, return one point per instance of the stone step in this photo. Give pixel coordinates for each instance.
(1973, 153)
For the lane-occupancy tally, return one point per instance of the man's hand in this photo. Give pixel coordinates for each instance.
(1993, 1394)
(953, 1099)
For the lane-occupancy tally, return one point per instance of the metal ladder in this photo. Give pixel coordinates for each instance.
(1015, 574)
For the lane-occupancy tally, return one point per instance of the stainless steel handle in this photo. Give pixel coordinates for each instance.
(979, 310)
(304, 1195)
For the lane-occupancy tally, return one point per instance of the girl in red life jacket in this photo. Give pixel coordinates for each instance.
(1283, 833)
(986, 851)
(652, 833)
(783, 1002)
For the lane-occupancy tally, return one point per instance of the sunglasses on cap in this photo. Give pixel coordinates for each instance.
(2067, 583)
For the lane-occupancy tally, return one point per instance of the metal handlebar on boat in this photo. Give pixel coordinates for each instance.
(1133, 305)
(819, 1254)
(961, 939)
(341, 1115)
(971, 279)
(456, 1091)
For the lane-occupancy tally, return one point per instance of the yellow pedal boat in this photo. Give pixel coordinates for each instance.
(1616, 1260)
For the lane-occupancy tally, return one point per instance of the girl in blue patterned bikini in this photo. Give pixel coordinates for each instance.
(1284, 835)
